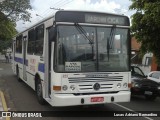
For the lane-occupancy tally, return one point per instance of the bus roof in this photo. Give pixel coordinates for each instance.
(36, 24)
(80, 16)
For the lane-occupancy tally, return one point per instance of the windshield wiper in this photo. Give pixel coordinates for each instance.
(83, 32)
(110, 40)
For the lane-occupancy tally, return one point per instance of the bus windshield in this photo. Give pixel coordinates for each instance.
(91, 49)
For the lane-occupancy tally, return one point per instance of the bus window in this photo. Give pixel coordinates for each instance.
(19, 44)
(39, 40)
(31, 42)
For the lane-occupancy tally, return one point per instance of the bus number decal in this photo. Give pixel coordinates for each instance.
(72, 66)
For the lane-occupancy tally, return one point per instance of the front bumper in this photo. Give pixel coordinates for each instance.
(72, 100)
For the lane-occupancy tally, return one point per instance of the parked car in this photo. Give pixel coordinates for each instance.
(155, 76)
(143, 86)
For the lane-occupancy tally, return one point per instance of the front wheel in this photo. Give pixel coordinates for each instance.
(39, 93)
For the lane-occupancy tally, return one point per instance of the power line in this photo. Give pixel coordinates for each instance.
(65, 3)
(61, 3)
(56, 8)
(48, 11)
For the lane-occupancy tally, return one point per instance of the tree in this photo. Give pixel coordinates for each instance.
(16, 9)
(10, 12)
(5, 45)
(7, 31)
(7, 28)
(146, 25)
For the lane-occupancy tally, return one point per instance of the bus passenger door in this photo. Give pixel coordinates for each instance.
(24, 58)
(47, 59)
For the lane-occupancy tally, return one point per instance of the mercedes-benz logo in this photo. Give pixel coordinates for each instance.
(96, 86)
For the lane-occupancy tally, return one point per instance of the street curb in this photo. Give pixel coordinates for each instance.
(4, 103)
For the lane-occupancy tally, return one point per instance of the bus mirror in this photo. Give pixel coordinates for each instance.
(52, 34)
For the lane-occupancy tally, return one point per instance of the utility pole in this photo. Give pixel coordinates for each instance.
(56, 8)
(39, 15)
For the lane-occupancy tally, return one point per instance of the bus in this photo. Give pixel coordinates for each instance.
(76, 58)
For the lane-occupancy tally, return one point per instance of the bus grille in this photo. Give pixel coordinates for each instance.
(86, 83)
(90, 87)
(97, 79)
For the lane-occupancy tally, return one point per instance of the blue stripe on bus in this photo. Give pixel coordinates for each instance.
(20, 60)
(41, 67)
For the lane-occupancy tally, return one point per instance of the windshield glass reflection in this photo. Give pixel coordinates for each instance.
(88, 48)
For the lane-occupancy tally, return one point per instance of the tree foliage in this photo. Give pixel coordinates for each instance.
(146, 25)
(11, 11)
(16, 9)
(7, 29)
(5, 45)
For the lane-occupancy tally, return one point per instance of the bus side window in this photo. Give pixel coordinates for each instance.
(19, 44)
(52, 34)
(31, 42)
(39, 40)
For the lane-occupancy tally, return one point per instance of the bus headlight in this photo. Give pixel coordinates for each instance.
(72, 87)
(125, 85)
(64, 87)
(118, 85)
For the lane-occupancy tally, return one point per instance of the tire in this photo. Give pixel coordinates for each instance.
(150, 97)
(39, 93)
(17, 74)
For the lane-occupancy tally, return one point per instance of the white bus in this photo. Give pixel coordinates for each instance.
(76, 58)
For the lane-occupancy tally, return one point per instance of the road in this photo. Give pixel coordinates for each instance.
(20, 97)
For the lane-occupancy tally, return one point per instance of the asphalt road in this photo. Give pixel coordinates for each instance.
(20, 97)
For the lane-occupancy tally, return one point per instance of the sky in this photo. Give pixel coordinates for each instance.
(44, 8)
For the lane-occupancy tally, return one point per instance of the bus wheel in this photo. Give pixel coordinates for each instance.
(39, 93)
(17, 74)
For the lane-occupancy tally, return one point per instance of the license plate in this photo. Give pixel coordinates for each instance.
(97, 99)
(148, 93)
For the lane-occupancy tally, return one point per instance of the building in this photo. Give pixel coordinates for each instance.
(135, 58)
(147, 63)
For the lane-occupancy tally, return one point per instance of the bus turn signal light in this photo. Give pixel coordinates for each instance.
(57, 88)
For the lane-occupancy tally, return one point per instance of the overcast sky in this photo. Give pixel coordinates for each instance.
(42, 8)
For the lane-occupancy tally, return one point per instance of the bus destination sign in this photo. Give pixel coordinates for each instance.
(91, 17)
(108, 19)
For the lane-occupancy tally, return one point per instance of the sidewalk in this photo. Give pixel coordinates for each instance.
(3, 106)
